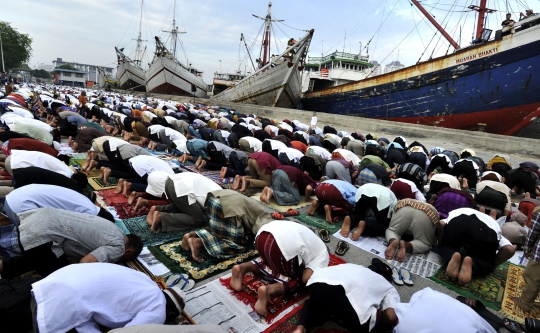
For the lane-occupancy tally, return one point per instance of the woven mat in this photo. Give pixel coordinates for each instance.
(109, 197)
(279, 208)
(514, 287)
(290, 321)
(180, 261)
(278, 303)
(97, 184)
(489, 290)
(126, 211)
(139, 227)
(213, 175)
(319, 221)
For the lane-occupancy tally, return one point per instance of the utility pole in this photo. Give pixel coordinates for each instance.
(2, 51)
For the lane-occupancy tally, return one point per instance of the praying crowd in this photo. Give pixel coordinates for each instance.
(66, 262)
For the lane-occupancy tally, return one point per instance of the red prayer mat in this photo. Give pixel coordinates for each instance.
(278, 303)
(111, 198)
(126, 211)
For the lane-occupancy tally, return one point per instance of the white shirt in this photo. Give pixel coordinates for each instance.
(273, 129)
(145, 164)
(254, 143)
(296, 240)
(366, 290)
(276, 145)
(194, 185)
(313, 121)
(82, 295)
(488, 220)
(349, 156)
(446, 178)
(149, 114)
(319, 151)
(292, 154)
(174, 134)
(286, 126)
(497, 186)
(155, 129)
(114, 143)
(451, 315)
(27, 158)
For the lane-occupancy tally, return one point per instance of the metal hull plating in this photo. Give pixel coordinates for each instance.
(131, 76)
(496, 83)
(166, 76)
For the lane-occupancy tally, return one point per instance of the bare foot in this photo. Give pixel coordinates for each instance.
(70, 140)
(237, 277)
(244, 184)
(91, 164)
(114, 132)
(127, 189)
(465, 184)
(358, 232)
(527, 195)
(262, 302)
(465, 273)
(150, 216)
(156, 222)
(140, 202)
(106, 174)
(391, 249)
(187, 236)
(236, 182)
(300, 329)
(452, 270)
(328, 213)
(313, 208)
(346, 227)
(119, 186)
(262, 197)
(269, 195)
(134, 195)
(223, 172)
(400, 256)
(202, 165)
(195, 245)
(482, 209)
(198, 163)
(493, 214)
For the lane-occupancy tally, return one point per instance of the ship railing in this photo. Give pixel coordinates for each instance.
(340, 55)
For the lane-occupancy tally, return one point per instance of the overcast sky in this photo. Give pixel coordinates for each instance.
(87, 31)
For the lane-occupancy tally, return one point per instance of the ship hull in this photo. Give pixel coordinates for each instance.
(494, 84)
(165, 76)
(131, 77)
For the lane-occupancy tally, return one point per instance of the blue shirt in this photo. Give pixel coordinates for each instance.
(347, 190)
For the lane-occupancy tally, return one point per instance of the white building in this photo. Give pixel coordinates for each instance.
(377, 68)
(90, 70)
(393, 66)
(67, 77)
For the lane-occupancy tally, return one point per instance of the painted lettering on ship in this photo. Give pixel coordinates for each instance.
(477, 55)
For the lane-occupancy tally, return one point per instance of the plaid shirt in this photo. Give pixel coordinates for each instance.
(224, 237)
(367, 176)
(9, 242)
(532, 242)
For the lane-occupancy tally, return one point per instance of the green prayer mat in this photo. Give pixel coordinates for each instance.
(120, 224)
(97, 184)
(319, 221)
(180, 261)
(139, 227)
(489, 290)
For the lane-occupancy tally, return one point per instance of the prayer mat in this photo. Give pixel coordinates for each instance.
(514, 287)
(213, 175)
(109, 197)
(139, 227)
(274, 205)
(120, 224)
(180, 261)
(126, 211)
(278, 303)
(97, 184)
(319, 221)
(286, 324)
(489, 290)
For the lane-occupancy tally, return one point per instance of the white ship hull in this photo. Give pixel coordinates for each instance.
(277, 84)
(131, 76)
(166, 76)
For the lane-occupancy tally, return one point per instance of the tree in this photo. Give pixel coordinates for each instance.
(40, 73)
(17, 47)
(67, 66)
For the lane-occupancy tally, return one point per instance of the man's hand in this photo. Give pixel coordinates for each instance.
(88, 259)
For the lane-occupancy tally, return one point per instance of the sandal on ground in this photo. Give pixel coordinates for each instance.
(179, 280)
(513, 326)
(277, 216)
(324, 235)
(291, 212)
(396, 277)
(342, 248)
(406, 276)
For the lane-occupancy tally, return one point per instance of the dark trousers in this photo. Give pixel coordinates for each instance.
(474, 238)
(325, 302)
(217, 158)
(466, 169)
(237, 166)
(267, 148)
(359, 214)
(41, 259)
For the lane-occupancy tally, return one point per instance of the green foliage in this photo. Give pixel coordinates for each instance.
(67, 66)
(40, 73)
(17, 47)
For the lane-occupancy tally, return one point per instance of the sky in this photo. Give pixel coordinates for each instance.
(87, 31)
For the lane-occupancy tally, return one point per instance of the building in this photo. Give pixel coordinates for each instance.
(377, 68)
(90, 70)
(48, 68)
(68, 77)
(393, 66)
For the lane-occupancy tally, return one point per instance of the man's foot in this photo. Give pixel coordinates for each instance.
(187, 236)
(262, 197)
(262, 302)
(70, 140)
(346, 227)
(391, 249)
(313, 208)
(140, 202)
(358, 232)
(198, 163)
(328, 213)
(236, 182)
(223, 172)
(134, 195)
(202, 165)
(244, 184)
(527, 195)
(127, 189)
(465, 184)
(400, 256)
(482, 209)
(452, 270)
(150, 216)
(465, 272)
(106, 175)
(300, 329)
(114, 132)
(269, 195)
(195, 245)
(120, 185)
(156, 222)
(91, 165)
(85, 164)
(75, 146)
(237, 277)
(493, 214)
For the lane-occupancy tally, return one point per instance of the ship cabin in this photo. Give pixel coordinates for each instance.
(223, 81)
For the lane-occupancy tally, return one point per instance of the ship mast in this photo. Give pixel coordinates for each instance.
(266, 42)
(437, 25)
(482, 10)
(174, 32)
(138, 51)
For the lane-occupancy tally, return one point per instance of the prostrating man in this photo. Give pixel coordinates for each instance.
(49, 236)
(85, 297)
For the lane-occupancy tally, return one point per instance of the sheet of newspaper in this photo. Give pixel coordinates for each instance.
(374, 245)
(151, 263)
(519, 259)
(213, 304)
